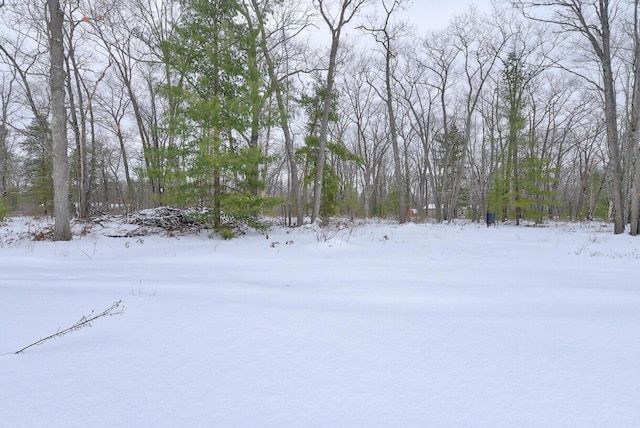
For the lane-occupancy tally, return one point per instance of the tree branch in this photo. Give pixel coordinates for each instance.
(85, 321)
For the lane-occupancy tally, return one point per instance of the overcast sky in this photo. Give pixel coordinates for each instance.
(424, 15)
(436, 14)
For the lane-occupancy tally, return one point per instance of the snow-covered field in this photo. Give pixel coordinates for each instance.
(379, 325)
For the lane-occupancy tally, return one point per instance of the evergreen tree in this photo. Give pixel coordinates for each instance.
(210, 166)
(515, 81)
(38, 164)
(523, 183)
(506, 193)
(536, 182)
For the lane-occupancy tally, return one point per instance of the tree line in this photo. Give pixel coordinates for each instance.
(530, 110)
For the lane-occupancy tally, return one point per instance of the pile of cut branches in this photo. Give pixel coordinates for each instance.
(163, 217)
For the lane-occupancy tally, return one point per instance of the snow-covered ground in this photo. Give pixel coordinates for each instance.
(379, 325)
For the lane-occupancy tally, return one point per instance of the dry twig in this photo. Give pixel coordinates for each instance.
(85, 321)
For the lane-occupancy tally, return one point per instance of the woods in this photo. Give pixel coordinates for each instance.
(324, 108)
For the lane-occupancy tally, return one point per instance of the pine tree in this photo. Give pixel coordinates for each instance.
(506, 193)
(515, 81)
(38, 164)
(536, 182)
(523, 183)
(214, 54)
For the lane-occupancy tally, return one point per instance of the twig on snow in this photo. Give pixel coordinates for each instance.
(85, 321)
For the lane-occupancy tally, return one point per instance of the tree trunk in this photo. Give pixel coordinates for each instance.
(282, 113)
(62, 228)
(3, 161)
(324, 125)
(125, 163)
(78, 125)
(399, 181)
(348, 9)
(611, 118)
(4, 152)
(634, 134)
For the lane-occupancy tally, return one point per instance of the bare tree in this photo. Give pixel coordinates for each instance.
(25, 62)
(114, 105)
(438, 58)
(634, 123)
(365, 111)
(481, 44)
(419, 104)
(583, 182)
(82, 86)
(279, 87)
(593, 20)
(135, 37)
(387, 35)
(62, 228)
(336, 18)
(24, 50)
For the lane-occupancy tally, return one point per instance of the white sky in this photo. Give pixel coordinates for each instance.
(423, 15)
(429, 15)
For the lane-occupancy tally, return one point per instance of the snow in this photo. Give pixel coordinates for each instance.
(375, 325)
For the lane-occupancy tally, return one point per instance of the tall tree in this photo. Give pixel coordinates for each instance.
(5, 95)
(516, 79)
(419, 99)
(211, 50)
(366, 113)
(313, 105)
(82, 86)
(336, 18)
(481, 43)
(62, 227)
(278, 85)
(387, 36)
(592, 20)
(634, 123)
(135, 38)
(115, 106)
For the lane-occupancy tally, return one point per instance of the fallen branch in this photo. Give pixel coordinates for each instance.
(85, 321)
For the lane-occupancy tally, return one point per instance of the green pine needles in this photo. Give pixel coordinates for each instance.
(216, 159)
